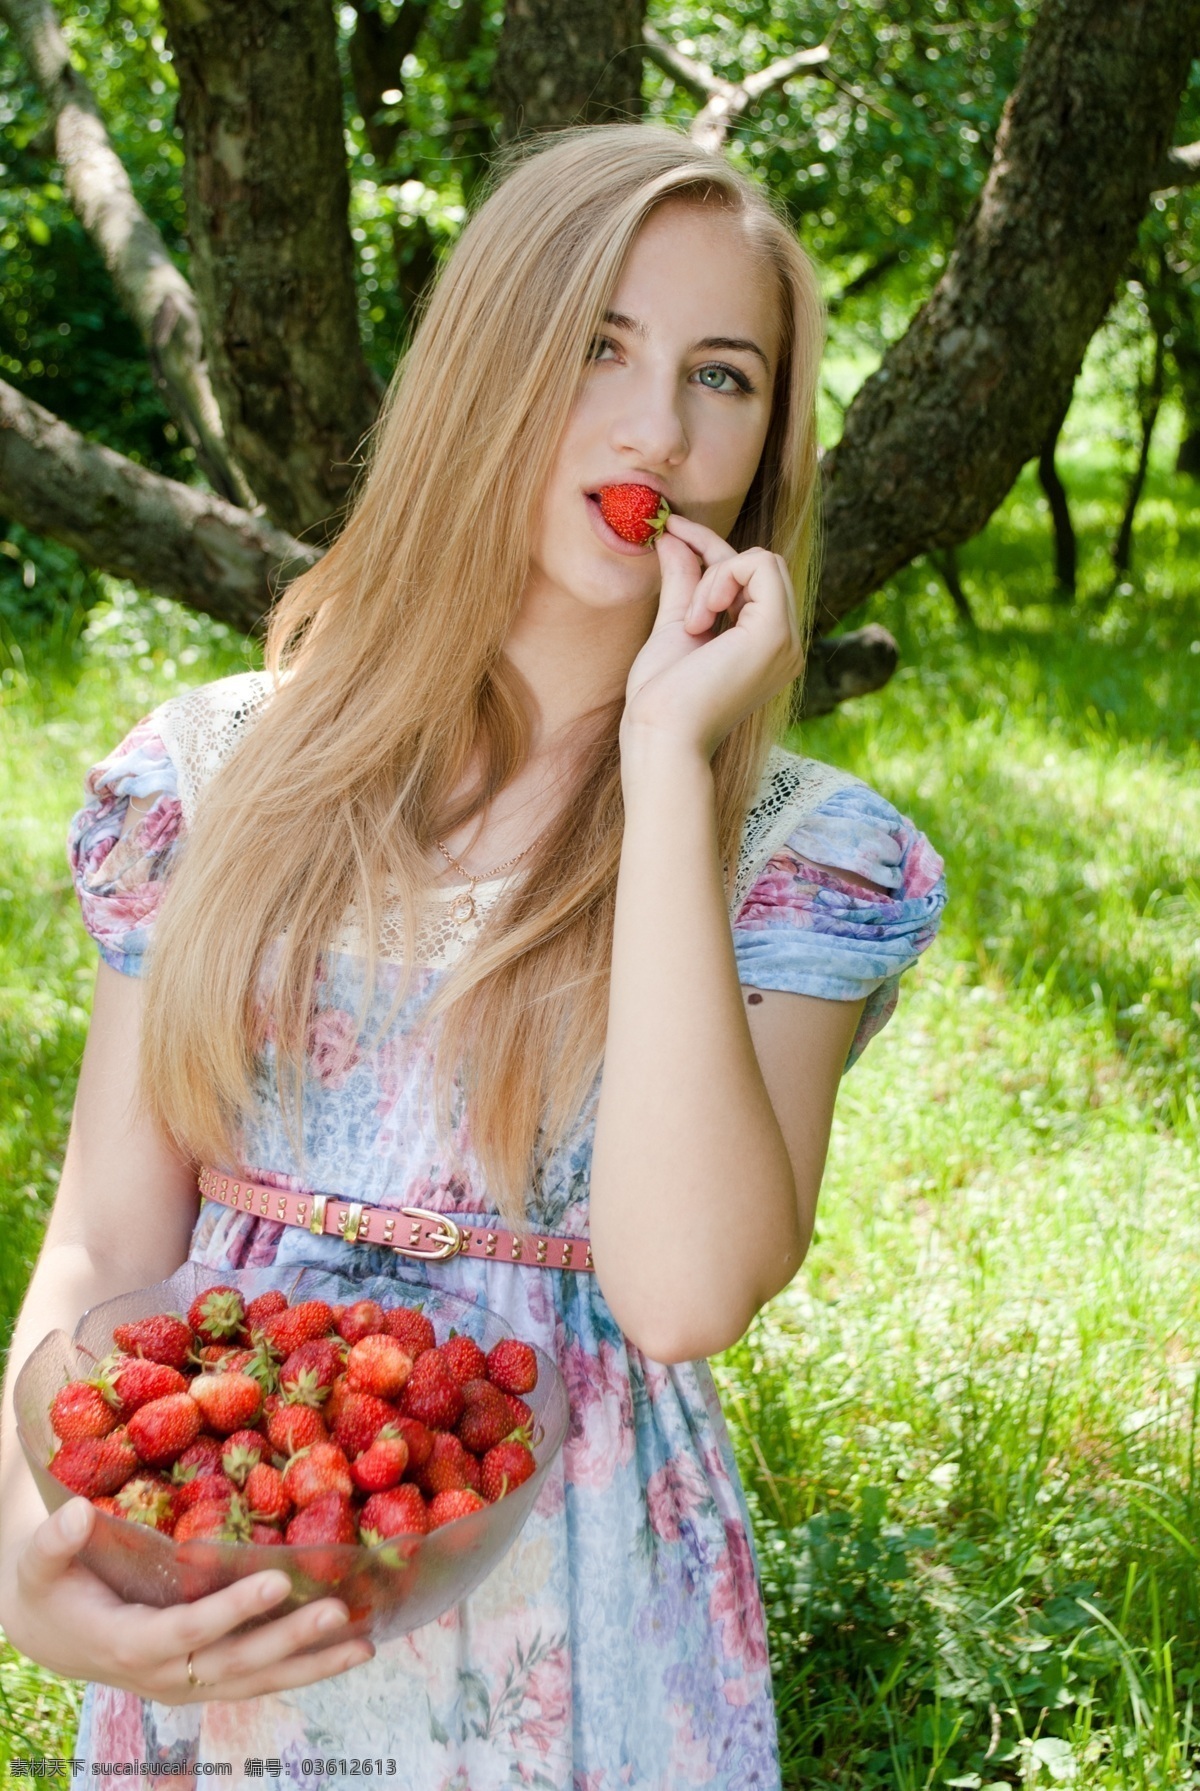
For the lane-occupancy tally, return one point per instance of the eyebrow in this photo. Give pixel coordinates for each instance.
(637, 328)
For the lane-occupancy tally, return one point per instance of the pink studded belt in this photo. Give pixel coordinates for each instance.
(434, 1237)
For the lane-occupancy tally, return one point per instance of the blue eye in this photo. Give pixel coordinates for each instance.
(739, 382)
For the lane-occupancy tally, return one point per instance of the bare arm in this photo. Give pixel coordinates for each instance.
(701, 1206)
(122, 1218)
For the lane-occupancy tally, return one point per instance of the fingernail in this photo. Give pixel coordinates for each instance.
(73, 1521)
(272, 1589)
(331, 1620)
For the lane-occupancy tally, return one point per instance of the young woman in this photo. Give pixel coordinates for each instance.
(499, 899)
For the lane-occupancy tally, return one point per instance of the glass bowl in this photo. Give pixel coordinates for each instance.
(395, 1587)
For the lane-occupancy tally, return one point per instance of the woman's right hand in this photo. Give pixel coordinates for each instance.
(65, 1618)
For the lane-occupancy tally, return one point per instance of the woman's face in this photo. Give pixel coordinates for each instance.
(677, 396)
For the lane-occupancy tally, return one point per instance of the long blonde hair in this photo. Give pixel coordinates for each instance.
(389, 663)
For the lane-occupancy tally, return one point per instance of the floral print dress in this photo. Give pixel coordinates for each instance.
(621, 1642)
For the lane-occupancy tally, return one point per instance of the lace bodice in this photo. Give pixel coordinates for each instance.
(203, 727)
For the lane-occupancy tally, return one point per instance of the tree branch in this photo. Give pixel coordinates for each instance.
(935, 439)
(260, 107)
(149, 285)
(720, 100)
(843, 666)
(377, 52)
(169, 537)
(1180, 167)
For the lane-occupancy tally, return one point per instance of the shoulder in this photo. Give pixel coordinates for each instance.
(815, 818)
(843, 891)
(202, 727)
(139, 799)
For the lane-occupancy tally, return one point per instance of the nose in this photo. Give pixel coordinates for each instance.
(649, 427)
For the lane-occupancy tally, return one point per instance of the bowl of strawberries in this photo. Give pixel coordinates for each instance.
(379, 1441)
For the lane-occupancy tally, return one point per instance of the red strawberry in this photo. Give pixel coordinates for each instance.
(512, 1366)
(327, 1518)
(399, 1511)
(383, 1464)
(487, 1419)
(364, 1318)
(447, 1468)
(136, 1382)
(287, 1330)
(164, 1337)
(243, 1450)
(522, 1414)
(161, 1429)
(361, 1418)
(95, 1466)
(379, 1365)
(309, 1372)
(397, 1518)
(228, 1401)
(80, 1409)
(432, 1393)
(444, 1507)
(335, 1398)
(634, 512)
(205, 1488)
(204, 1453)
(216, 1520)
(262, 1532)
(419, 1438)
(292, 1427)
(504, 1468)
(321, 1468)
(106, 1502)
(464, 1358)
(411, 1329)
(148, 1499)
(258, 1362)
(266, 1494)
(320, 1530)
(217, 1314)
(264, 1306)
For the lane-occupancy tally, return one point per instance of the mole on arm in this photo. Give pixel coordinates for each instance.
(753, 997)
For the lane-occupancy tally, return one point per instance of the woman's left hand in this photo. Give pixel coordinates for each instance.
(695, 685)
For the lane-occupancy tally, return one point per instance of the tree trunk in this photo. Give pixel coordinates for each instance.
(1065, 555)
(260, 105)
(935, 439)
(1184, 314)
(165, 536)
(568, 64)
(1149, 403)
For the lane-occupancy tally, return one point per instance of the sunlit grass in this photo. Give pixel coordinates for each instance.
(969, 1427)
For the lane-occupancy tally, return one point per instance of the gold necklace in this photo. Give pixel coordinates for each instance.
(462, 908)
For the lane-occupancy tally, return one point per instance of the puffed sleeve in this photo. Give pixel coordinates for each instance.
(807, 927)
(122, 843)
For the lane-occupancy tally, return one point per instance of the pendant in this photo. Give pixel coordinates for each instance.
(462, 908)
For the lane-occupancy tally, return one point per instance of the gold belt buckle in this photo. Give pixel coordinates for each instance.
(448, 1242)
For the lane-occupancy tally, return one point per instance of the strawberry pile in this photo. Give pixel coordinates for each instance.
(308, 1423)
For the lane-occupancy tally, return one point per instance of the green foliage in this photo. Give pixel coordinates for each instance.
(64, 340)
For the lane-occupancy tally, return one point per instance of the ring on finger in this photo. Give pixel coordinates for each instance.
(192, 1679)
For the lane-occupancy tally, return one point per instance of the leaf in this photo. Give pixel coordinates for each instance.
(1055, 1755)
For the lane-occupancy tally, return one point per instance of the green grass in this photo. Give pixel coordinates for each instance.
(968, 1429)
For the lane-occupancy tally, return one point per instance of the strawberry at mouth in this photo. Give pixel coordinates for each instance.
(637, 513)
